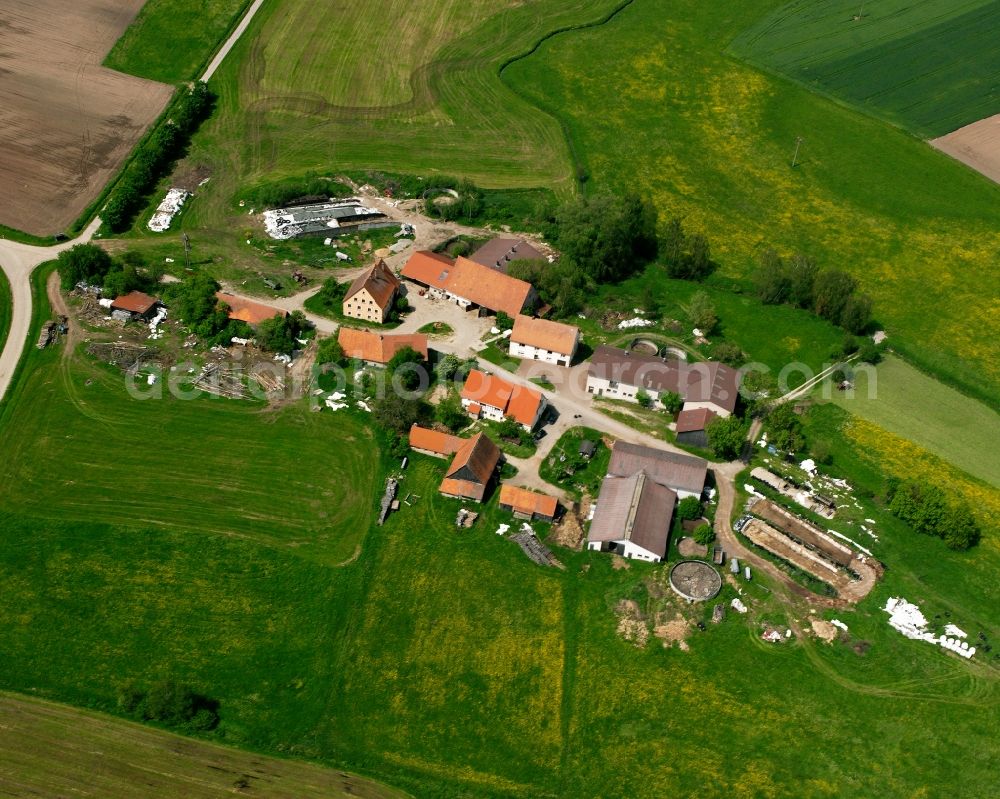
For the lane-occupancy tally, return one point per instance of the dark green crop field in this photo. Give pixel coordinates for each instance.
(930, 67)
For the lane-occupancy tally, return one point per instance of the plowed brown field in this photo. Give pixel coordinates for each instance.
(66, 122)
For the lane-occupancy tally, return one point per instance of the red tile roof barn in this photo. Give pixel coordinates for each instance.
(463, 278)
(472, 468)
(376, 347)
(134, 302)
(546, 335)
(488, 288)
(530, 503)
(253, 313)
(430, 268)
(434, 441)
(380, 282)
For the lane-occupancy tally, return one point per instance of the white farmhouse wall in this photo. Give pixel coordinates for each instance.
(707, 404)
(528, 352)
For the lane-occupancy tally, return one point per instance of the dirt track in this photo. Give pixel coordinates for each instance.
(66, 122)
(18, 261)
(976, 145)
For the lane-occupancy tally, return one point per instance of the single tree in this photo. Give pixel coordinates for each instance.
(329, 352)
(689, 509)
(701, 312)
(771, 280)
(725, 436)
(832, 292)
(397, 413)
(672, 402)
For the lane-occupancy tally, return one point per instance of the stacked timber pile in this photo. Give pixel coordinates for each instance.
(391, 486)
(535, 549)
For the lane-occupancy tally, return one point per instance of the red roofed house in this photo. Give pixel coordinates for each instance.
(525, 504)
(372, 294)
(136, 304)
(691, 424)
(379, 348)
(542, 340)
(253, 313)
(494, 398)
(469, 284)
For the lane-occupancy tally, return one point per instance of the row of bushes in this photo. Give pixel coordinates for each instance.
(310, 188)
(169, 703)
(155, 157)
(928, 510)
(90, 264)
(828, 293)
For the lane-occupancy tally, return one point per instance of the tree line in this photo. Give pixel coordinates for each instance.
(829, 293)
(169, 703)
(89, 264)
(929, 510)
(603, 239)
(154, 158)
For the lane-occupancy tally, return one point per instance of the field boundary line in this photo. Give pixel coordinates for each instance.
(577, 165)
(231, 41)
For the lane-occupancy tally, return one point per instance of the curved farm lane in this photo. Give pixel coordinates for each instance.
(18, 261)
(725, 477)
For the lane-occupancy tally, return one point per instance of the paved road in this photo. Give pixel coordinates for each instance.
(235, 37)
(18, 261)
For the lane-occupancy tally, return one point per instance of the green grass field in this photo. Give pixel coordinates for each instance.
(172, 40)
(80, 448)
(416, 92)
(104, 757)
(445, 662)
(929, 67)
(711, 139)
(912, 405)
(440, 661)
(775, 335)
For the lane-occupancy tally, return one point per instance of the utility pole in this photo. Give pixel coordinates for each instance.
(187, 250)
(795, 157)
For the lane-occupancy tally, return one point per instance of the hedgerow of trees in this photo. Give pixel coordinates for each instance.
(685, 256)
(608, 238)
(89, 264)
(928, 510)
(829, 293)
(155, 157)
(603, 239)
(169, 703)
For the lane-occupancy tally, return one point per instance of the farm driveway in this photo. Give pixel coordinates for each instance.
(18, 261)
